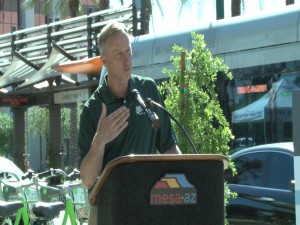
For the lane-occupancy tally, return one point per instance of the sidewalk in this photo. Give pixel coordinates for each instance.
(59, 220)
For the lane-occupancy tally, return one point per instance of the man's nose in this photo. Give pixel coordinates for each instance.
(127, 58)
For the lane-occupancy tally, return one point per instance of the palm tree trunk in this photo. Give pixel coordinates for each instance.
(289, 2)
(73, 138)
(73, 6)
(235, 8)
(148, 13)
(104, 4)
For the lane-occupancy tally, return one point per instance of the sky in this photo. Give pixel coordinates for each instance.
(199, 11)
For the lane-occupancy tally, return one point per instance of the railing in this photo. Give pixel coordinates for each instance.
(77, 36)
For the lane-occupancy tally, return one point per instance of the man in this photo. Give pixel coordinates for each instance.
(112, 123)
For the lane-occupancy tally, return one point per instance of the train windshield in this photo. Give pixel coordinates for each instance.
(261, 107)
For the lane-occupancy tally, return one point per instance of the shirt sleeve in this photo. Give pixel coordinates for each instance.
(87, 130)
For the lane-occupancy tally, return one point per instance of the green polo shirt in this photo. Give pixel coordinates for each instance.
(139, 137)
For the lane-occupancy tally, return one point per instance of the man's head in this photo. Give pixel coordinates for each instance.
(107, 31)
(115, 50)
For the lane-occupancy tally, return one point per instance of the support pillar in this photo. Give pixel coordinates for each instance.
(20, 156)
(55, 158)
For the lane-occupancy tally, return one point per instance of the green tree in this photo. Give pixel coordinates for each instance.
(37, 123)
(192, 90)
(191, 97)
(6, 134)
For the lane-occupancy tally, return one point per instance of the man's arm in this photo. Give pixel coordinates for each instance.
(109, 127)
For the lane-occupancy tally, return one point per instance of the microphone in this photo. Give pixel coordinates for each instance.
(151, 115)
(153, 103)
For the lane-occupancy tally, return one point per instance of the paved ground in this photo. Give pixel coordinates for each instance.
(59, 220)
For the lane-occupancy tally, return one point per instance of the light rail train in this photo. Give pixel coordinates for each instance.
(263, 54)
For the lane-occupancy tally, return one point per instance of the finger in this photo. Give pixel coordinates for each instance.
(117, 121)
(109, 127)
(121, 119)
(103, 114)
(122, 126)
(104, 110)
(118, 129)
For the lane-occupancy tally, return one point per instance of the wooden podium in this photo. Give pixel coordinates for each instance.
(161, 190)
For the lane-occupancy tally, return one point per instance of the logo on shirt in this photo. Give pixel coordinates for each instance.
(173, 189)
(139, 110)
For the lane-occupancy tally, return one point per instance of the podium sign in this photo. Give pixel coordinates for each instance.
(161, 190)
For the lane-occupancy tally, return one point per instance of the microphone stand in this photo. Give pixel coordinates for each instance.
(153, 103)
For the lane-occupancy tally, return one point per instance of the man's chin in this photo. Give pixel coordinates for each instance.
(128, 74)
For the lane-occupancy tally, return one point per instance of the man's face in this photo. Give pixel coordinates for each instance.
(118, 57)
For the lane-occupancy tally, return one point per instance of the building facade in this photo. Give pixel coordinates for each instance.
(14, 16)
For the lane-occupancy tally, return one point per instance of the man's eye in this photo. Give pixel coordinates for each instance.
(119, 54)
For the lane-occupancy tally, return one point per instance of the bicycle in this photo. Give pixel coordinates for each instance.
(48, 203)
(40, 203)
(78, 201)
(34, 210)
(15, 191)
(8, 210)
(76, 207)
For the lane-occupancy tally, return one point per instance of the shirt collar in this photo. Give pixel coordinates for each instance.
(108, 97)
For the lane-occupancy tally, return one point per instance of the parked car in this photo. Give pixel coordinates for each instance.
(7, 165)
(264, 185)
(241, 143)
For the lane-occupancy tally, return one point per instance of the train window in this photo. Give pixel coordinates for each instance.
(261, 105)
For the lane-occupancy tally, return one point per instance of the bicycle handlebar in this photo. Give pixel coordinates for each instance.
(31, 175)
(8, 175)
(45, 174)
(28, 175)
(73, 175)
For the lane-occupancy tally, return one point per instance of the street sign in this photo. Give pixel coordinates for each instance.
(71, 96)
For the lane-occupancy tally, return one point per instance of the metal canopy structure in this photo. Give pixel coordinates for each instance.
(52, 77)
(27, 57)
(19, 70)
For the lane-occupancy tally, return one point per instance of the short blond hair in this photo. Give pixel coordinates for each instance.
(107, 31)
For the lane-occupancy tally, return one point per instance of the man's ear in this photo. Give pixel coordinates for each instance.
(103, 59)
